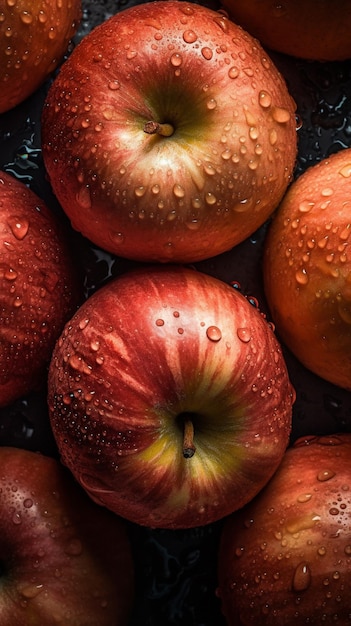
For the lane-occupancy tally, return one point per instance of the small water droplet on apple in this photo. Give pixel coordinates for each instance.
(264, 99)
(178, 191)
(301, 277)
(28, 503)
(19, 227)
(302, 577)
(322, 550)
(83, 197)
(114, 85)
(214, 333)
(176, 59)
(233, 72)
(222, 22)
(207, 53)
(189, 36)
(346, 171)
(16, 518)
(325, 475)
(244, 334)
(281, 115)
(304, 497)
(211, 104)
(159, 322)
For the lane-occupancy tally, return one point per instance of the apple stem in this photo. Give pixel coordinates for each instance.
(154, 128)
(188, 439)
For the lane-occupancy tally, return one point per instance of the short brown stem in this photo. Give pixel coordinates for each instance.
(154, 128)
(188, 439)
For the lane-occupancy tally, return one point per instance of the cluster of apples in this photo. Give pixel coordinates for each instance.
(169, 136)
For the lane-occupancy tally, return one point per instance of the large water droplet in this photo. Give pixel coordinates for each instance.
(214, 333)
(19, 227)
(302, 577)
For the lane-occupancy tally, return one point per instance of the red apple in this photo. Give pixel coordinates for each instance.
(34, 37)
(311, 29)
(169, 135)
(64, 560)
(285, 558)
(307, 269)
(169, 397)
(38, 288)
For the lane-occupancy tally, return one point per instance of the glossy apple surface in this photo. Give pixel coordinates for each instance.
(311, 29)
(169, 134)
(307, 269)
(34, 37)
(169, 397)
(38, 287)
(64, 560)
(285, 558)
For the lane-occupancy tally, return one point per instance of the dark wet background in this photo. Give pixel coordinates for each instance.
(176, 570)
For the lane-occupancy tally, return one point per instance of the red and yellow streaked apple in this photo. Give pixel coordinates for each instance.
(169, 134)
(169, 397)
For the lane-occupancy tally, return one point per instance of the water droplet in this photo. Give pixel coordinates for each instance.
(26, 17)
(211, 104)
(306, 206)
(83, 197)
(233, 72)
(207, 53)
(28, 503)
(178, 191)
(189, 36)
(19, 227)
(301, 277)
(159, 322)
(325, 475)
(304, 497)
(214, 333)
(280, 115)
(346, 171)
(176, 59)
(244, 334)
(302, 577)
(114, 85)
(264, 99)
(30, 591)
(222, 22)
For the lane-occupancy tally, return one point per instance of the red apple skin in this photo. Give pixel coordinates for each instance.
(310, 29)
(39, 288)
(64, 559)
(307, 269)
(34, 37)
(285, 558)
(188, 196)
(146, 350)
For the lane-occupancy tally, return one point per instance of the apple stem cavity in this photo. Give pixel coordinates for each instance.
(188, 439)
(154, 128)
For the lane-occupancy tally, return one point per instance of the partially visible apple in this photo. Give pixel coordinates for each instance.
(39, 289)
(285, 558)
(311, 29)
(64, 560)
(169, 134)
(307, 269)
(34, 37)
(169, 397)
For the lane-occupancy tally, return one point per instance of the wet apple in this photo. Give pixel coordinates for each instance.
(64, 560)
(311, 29)
(307, 269)
(34, 37)
(285, 558)
(169, 134)
(169, 397)
(39, 288)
